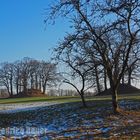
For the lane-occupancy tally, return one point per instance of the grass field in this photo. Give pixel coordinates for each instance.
(71, 121)
(64, 99)
(38, 99)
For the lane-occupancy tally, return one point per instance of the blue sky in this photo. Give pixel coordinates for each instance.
(23, 32)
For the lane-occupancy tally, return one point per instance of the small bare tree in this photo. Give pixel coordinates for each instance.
(48, 75)
(7, 76)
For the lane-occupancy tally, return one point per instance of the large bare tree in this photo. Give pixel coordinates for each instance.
(95, 20)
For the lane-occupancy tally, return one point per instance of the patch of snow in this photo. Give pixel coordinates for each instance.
(13, 108)
(105, 129)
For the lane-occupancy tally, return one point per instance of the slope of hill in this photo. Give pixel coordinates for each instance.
(123, 89)
(30, 93)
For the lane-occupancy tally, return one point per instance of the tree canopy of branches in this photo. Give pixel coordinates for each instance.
(20, 76)
(78, 71)
(109, 31)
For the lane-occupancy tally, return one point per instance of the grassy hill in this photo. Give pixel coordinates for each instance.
(123, 89)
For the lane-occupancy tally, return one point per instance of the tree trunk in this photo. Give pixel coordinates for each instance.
(97, 79)
(129, 76)
(17, 89)
(114, 92)
(11, 87)
(17, 86)
(36, 82)
(44, 88)
(11, 90)
(25, 86)
(83, 100)
(123, 79)
(20, 86)
(40, 84)
(105, 80)
(8, 90)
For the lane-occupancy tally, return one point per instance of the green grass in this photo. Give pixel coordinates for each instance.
(64, 99)
(37, 99)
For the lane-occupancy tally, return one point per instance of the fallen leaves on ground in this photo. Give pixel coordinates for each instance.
(71, 121)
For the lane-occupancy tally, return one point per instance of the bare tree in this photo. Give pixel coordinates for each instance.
(33, 73)
(133, 65)
(48, 75)
(17, 76)
(79, 73)
(7, 76)
(95, 20)
(27, 74)
(77, 69)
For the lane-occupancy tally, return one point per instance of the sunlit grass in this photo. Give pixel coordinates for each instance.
(36, 99)
(65, 99)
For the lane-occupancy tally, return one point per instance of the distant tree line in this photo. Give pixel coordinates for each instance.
(66, 92)
(20, 76)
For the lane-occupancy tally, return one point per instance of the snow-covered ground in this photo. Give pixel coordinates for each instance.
(17, 107)
(49, 120)
(46, 121)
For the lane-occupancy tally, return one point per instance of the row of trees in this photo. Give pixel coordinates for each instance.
(104, 44)
(65, 92)
(27, 74)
